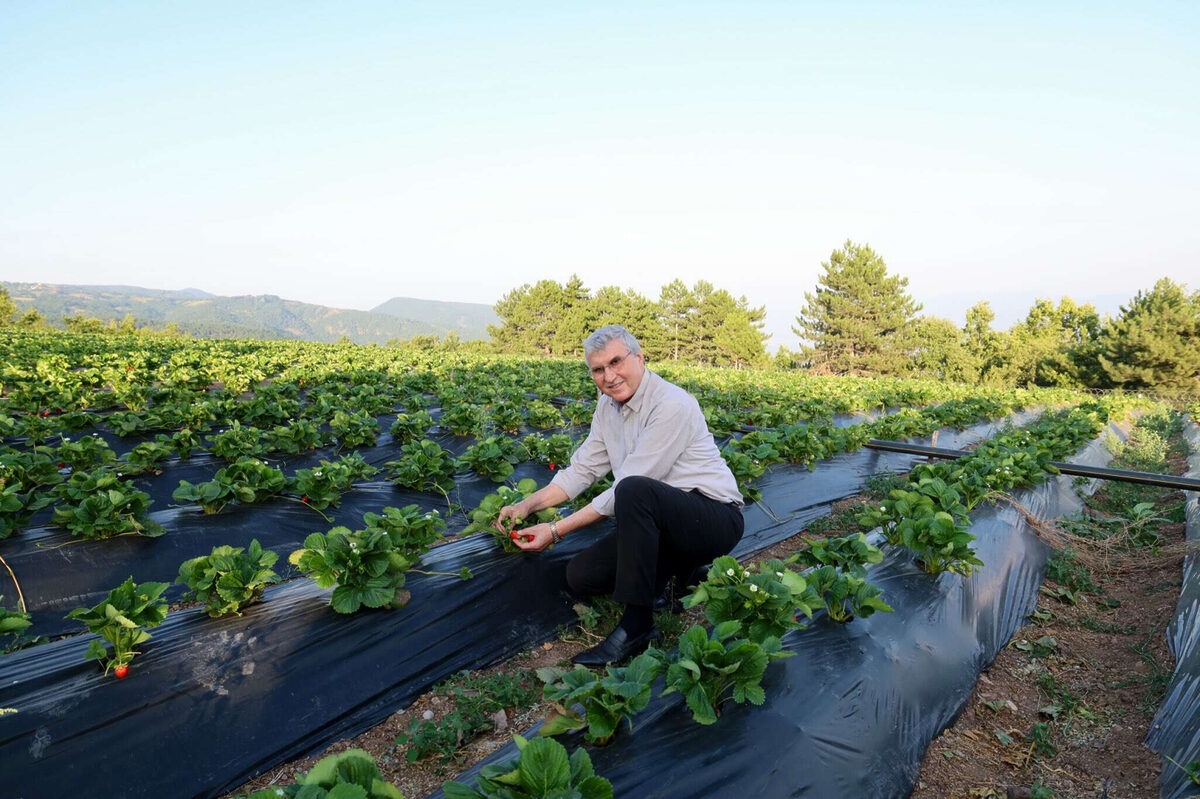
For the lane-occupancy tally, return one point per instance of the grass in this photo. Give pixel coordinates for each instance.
(1158, 678)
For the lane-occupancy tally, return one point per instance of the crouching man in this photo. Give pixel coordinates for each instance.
(676, 503)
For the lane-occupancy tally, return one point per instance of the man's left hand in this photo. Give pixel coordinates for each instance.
(535, 538)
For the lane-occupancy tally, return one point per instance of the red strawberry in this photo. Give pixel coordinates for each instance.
(552, 466)
(513, 535)
(304, 499)
(62, 465)
(121, 671)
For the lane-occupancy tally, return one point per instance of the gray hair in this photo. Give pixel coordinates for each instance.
(599, 340)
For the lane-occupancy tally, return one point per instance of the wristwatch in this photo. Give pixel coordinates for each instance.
(554, 536)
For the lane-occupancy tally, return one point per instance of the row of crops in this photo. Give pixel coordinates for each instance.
(125, 466)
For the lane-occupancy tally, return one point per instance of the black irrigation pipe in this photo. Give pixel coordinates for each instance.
(1143, 478)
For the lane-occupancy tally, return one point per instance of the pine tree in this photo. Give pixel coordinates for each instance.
(530, 316)
(676, 303)
(1155, 342)
(738, 343)
(858, 320)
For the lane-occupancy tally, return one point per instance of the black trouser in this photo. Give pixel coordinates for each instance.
(661, 531)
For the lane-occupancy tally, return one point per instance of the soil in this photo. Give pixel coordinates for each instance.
(1095, 687)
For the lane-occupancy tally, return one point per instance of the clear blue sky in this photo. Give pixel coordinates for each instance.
(347, 152)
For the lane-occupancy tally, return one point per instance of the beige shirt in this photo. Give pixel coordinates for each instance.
(660, 433)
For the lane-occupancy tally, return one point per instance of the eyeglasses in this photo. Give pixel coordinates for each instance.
(614, 364)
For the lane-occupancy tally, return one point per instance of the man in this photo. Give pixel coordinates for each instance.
(676, 503)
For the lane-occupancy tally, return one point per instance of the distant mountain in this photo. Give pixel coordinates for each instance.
(470, 319)
(263, 316)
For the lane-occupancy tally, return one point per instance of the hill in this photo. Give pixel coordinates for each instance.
(265, 316)
(470, 319)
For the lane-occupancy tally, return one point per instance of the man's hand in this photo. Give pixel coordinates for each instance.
(534, 539)
(516, 513)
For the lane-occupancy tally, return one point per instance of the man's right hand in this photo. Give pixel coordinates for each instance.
(516, 513)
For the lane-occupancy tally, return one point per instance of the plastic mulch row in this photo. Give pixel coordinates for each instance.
(852, 713)
(236, 696)
(1175, 731)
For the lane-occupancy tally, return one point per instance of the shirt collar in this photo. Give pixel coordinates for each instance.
(635, 402)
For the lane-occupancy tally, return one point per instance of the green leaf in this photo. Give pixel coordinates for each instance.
(457, 790)
(594, 787)
(544, 766)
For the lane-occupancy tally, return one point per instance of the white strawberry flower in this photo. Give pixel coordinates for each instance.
(753, 588)
(729, 572)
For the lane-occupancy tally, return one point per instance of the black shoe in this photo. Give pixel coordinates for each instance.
(618, 646)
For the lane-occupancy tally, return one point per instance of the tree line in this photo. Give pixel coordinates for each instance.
(861, 321)
(699, 324)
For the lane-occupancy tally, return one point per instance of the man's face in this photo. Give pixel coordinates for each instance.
(616, 370)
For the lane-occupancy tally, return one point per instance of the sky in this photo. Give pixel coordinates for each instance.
(343, 153)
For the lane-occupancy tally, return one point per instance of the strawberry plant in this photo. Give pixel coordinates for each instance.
(554, 451)
(410, 426)
(347, 775)
(247, 480)
(412, 530)
(122, 619)
(323, 486)
(484, 517)
(14, 624)
(761, 445)
(846, 595)
(296, 437)
(543, 771)
(146, 457)
(17, 507)
(100, 505)
(462, 418)
(745, 469)
(712, 668)
(506, 417)
(765, 603)
(544, 415)
(494, 457)
(929, 518)
(185, 442)
(423, 466)
(228, 579)
(362, 567)
(83, 454)
(127, 423)
(850, 553)
(29, 470)
(354, 429)
(579, 412)
(621, 693)
(237, 442)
